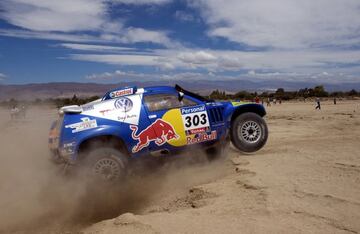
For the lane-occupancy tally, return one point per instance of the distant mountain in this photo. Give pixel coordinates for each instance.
(68, 89)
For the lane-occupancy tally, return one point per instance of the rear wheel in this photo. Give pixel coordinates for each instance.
(249, 132)
(106, 164)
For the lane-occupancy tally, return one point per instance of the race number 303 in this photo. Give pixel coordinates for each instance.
(195, 119)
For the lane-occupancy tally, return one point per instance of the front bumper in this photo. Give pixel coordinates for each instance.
(61, 157)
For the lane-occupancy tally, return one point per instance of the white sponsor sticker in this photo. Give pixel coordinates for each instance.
(82, 126)
(124, 109)
(195, 119)
(122, 92)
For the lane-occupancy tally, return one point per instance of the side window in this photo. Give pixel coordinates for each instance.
(158, 102)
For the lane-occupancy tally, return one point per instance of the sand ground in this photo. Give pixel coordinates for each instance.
(305, 180)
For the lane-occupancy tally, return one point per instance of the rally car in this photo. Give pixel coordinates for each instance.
(129, 123)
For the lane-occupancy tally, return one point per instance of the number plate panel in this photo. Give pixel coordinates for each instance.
(195, 120)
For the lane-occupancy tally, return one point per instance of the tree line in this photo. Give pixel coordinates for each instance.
(280, 93)
(58, 102)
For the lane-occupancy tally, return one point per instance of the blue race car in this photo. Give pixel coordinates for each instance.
(128, 123)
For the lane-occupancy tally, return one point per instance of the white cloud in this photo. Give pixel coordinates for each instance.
(141, 2)
(122, 76)
(299, 35)
(134, 35)
(278, 60)
(195, 76)
(129, 36)
(65, 15)
(2, 76)
(49, 35)
(256, 64)
(98, 48)
(127, 59)
(184, 16)
(127, 76)
(198, 57)
(75, 20)
(252, 72)
(138, 76)
(284, 23)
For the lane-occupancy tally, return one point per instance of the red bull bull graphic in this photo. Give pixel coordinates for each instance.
(160, 132)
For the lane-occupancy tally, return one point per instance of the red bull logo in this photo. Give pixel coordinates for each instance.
(160, 132)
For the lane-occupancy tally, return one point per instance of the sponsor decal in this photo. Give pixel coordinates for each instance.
(190, 110)
(160, 132)
(71, 144)
(123, 118)
(239, 103)
(68, 148)
(82, 126)
(122, 92)
(201, 137)
(195, 119)
(88, 107)
(123, 104)
(197, 130)
(103, 112)
(122, 109)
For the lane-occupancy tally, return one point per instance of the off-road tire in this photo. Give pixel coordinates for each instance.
(105, 164)
(248, 132)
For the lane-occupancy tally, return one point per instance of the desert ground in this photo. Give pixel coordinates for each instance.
(305, 180)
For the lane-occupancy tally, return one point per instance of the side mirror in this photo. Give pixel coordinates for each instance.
(180, 96)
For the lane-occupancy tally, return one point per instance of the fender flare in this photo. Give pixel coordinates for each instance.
(102, 132)
(251, 107)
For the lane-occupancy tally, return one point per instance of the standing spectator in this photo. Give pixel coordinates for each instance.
(334, 100)
(257, 99)
(317, 104)
(14, 112)
(268, 102)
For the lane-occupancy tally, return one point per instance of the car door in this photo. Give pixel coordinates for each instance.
(165, 115)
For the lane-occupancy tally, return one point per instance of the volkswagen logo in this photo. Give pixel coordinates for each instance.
(123, 104)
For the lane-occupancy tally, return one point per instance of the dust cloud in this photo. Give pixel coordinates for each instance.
(37, 197)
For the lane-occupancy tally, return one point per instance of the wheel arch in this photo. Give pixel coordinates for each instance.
(254, 108)
(106, 140)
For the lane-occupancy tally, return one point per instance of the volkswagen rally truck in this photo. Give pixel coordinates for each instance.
(105, 135)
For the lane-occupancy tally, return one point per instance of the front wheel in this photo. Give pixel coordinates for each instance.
(106, 164)
(248, 132)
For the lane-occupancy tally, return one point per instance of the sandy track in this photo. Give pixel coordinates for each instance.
(306, 180)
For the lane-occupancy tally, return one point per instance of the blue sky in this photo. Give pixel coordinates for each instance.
(111, 41)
